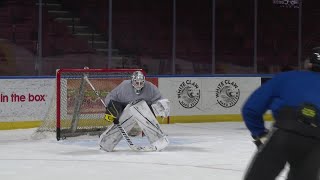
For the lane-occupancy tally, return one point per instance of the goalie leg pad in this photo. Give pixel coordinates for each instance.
(112, 136)
(153, 134)
(147, 121)
(135, 131)
(161, 143)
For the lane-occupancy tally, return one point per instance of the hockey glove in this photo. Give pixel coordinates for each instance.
(262, 139)
(113, 111)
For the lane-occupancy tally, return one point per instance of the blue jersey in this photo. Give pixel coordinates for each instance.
(292, 88)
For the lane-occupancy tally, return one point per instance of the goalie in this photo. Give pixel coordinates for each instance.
(134, 104)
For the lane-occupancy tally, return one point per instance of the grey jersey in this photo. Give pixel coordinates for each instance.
(124, 93)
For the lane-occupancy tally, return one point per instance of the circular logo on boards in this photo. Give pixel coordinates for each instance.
(227, 93)
(188, 94)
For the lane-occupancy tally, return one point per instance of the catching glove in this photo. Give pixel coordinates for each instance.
(260, 140)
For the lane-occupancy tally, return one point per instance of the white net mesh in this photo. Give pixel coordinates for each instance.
(48, 125)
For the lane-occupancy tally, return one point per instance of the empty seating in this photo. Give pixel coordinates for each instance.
(19, 24)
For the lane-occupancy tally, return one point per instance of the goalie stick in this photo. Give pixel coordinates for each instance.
(123, 132)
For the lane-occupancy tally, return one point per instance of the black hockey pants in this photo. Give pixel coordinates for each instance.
(300, 152)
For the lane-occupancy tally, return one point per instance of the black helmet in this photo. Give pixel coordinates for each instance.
(315, 59)
(315, 56)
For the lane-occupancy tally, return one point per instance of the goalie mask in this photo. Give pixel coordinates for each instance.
(137, 81)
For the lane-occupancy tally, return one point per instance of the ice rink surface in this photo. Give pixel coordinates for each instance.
(197, 151)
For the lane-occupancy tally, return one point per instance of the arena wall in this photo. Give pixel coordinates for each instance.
(24, 101)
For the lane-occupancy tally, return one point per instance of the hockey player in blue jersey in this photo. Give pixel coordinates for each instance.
(294, 139)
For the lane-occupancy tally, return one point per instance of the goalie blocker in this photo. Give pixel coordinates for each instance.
(135, 113)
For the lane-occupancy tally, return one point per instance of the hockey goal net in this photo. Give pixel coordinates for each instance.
(77, 108)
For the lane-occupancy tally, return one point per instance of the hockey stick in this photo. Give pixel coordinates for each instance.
(121, 129)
